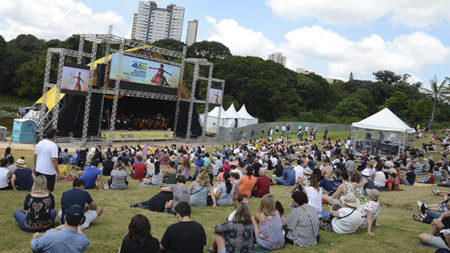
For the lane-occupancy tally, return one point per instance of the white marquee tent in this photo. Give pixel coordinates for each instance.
(229, 118)
(382, 123)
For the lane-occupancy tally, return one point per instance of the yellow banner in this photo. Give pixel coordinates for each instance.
(138, 135)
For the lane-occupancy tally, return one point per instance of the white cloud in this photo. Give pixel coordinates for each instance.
(413, 13)
(240, 40)
(50, 19)
(408, 53)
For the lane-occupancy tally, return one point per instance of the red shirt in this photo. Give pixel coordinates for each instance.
(139, 170)
(226, 167)
(263, 186)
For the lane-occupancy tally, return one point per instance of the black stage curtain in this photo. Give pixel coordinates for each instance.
(72, 114)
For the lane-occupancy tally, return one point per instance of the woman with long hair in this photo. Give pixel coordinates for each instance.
(225, 191)
(314, 193)
(186, 169)
(248, 182)
(155, 173)
(199, 190)
(119, 177)
(39, 206)
(139, 237)
(267, 225)
(236, 235)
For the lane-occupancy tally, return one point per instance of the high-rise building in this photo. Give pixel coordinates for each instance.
(277, 57)
(153, 23)
(191, 35)
(133, 30)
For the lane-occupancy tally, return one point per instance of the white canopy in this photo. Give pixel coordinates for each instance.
(229, 118)
(231, 112)
(243, 114)
(384, 120)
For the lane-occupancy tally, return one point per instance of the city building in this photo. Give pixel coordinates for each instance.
(304, 71)
(191, 35)
(331, 80)
(277, 57)
(153, 23)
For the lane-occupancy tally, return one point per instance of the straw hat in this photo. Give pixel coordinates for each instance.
(307, 171)
(373, 193)
(351, 200)
(20, 162)
(173, 158)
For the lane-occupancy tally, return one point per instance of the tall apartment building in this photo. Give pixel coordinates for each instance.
(191, 35)
(133, 30)
(153, 23)
(277, 57)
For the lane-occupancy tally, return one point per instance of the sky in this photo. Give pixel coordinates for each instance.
(329, 37)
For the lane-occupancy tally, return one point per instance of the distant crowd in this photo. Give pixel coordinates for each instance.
(316, 173)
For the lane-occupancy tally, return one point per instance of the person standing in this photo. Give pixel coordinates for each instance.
(185, 236)
(325, 133)
(46, 159)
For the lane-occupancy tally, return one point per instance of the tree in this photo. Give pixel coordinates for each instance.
(350, 78)
(170, 44)
(439, 93)
(209, 50)
(350, 109)
(387, 76)
(29, 77)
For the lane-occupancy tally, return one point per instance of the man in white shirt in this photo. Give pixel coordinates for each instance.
(298, 169)
(46, 159)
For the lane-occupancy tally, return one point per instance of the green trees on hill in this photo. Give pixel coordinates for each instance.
(270, 91)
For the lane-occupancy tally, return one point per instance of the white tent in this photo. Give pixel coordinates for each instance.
(244, 118)
(374, 128)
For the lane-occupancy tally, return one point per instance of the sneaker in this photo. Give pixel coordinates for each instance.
(105, 185)
(423, 208)
(436, 191)
(419, 203)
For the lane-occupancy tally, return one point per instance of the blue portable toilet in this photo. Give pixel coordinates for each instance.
(24, 131)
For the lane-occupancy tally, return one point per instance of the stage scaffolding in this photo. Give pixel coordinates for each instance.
(49, 118)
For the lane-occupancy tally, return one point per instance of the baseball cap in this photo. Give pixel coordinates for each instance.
(74, 215)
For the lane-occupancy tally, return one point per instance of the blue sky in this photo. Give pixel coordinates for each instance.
(332, 38)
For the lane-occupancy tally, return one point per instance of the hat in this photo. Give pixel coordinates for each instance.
(373, 193)
(431, 158)
(74, 214)
(446, 221)
(365, 172)
(351, 200)
(307, 171)
(173, 158)
(425, 159)
(20, 162)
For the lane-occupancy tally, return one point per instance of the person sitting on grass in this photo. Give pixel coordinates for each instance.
(118, 179)
(248, 182)
(82, 198)
(40, 206)
(288, 176)
(346, 219)
(139, 237)
(267, 225)
(262, 186)
(154, 174)
(65, 238)
(241, 198)
(170, 175)
(370, 211)
(184, 236)
(199, 190)
(5, 175)
(302, 224)
(407, 175)
(379, 177)
(92, 175)
(439, 235)
(23, 177)
(224, 192)
(138, 169)
(63, 175)
(345, 188)
(236, 235)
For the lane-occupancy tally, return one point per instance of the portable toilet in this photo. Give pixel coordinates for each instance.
(24, 131)
(3, 133)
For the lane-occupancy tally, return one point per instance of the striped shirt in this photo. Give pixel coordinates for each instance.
(303, 223)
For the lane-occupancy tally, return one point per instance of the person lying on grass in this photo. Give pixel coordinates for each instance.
(345, 220)
(426, 211)
(439, 235)
(345, 188)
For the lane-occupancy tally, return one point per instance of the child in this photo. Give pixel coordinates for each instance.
(241, 198)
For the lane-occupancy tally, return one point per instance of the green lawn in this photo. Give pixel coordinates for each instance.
(398, 233)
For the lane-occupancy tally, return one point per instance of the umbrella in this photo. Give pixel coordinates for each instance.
(146, 148)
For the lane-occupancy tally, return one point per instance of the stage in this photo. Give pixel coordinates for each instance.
(139, 135)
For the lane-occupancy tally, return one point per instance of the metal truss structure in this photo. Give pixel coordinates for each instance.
(49, 118)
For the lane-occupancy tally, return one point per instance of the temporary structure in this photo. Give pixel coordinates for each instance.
(229, 118)
(244, 118)
(381, 124)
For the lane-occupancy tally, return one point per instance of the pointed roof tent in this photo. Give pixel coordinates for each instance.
(231, 112)
(243, 114)
(384, 120)
(215, 112)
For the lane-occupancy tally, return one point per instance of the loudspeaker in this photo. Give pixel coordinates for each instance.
(101, 75)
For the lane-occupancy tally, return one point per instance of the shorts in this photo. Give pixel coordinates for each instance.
(51, 179)
(436, 241)
(90, 216)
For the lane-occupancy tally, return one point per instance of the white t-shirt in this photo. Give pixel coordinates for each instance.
(230, 218)
(380, 178)
(348, 224)
(314, 198)
(347, 144)
(3, 177)
(45, 151)
(298, 171)
(237, 171)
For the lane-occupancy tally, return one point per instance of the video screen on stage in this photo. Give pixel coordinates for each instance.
(135, 70)
(75, 78)
(215, 96)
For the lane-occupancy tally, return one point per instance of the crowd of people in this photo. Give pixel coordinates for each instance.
(314, 173)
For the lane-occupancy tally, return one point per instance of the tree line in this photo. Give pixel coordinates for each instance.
(270, 91)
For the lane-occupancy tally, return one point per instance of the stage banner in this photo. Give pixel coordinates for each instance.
(138, 135)
(137, 70)
(215, 96)
(75, 78)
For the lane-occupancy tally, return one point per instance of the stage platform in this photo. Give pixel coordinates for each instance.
(142, 135)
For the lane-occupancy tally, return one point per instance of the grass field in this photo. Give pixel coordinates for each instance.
(398, 233)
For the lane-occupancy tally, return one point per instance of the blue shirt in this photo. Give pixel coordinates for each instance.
(289, 176)
(74, 196)
(74, 158)
(64, 240)
(90, 176)
(24, 179)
